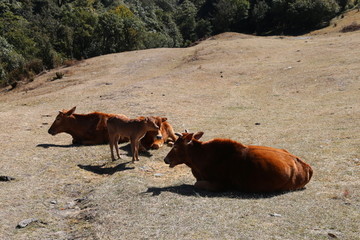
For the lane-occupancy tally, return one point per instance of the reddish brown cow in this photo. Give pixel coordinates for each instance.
(156, 139)
(134, 129)
(85, 129)
(222, 164)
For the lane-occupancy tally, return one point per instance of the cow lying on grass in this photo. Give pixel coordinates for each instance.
(134, 129)
(156, 139)
(85, 129)
(222, 164)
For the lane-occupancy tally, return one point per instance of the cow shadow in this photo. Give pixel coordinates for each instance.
(127, 148)
(190, 190)
(101, 170)
(45, 145)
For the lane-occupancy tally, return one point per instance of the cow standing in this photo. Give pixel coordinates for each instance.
(156, 139)
(222, 164)
(87, 129)
(134, 129)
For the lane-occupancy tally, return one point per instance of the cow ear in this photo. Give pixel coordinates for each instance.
(198, 135)
(188, 137)
(71, 111)
(163, 119)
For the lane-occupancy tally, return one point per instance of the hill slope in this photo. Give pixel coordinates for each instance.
(303, 93)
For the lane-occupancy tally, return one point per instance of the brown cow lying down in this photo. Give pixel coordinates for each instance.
(134, 129)
(222, 164)
(156, 139)
(85, 129)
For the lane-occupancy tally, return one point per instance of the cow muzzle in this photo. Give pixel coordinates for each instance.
(50, 131)
(167, 160)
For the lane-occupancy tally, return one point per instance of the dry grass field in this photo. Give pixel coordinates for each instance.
(297, 93)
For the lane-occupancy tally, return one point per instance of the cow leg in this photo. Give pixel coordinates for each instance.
(137, 144)
(209, 186)
(116, 140)
(111, 143)
(132, 141)
(142, 148)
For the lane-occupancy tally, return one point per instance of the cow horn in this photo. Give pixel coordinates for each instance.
(178, 134)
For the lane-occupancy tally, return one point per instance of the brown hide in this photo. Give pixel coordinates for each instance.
(221, 164)
(85, 129)
(156, 139)
(134, 129)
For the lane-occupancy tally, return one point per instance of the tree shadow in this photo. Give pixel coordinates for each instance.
(190, 190)
(101, 170)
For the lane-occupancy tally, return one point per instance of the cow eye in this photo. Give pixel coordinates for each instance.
(58, 119)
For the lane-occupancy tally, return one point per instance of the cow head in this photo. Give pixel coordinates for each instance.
(150, 123)
(59, 125)
(179, 153)
(158, 137)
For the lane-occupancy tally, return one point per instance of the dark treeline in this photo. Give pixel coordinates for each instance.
(42, 34)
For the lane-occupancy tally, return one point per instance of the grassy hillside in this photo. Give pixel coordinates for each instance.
(297, 93)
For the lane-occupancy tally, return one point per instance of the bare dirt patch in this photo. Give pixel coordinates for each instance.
(298, 93)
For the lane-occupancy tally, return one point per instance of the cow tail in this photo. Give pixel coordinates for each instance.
(101, 123)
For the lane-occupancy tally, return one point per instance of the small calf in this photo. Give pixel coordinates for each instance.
(134, 129)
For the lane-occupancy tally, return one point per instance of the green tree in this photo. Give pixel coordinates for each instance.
(307, 14)
(259, 14)
(119, 30)
(17, 32)
(169, 29)
(230, 14)
(186, 20)
(83, 22)
(9, 60)
(110, 32)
